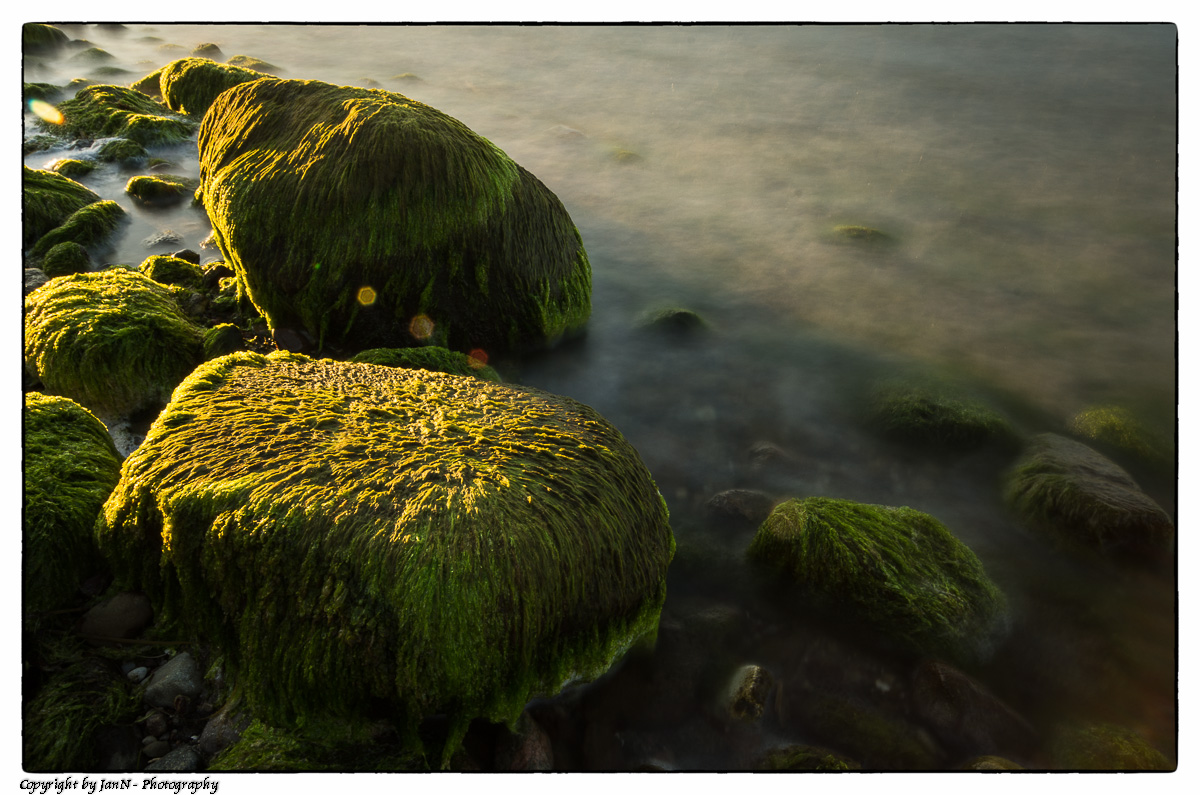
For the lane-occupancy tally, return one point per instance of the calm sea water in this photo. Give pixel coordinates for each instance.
(1025, 174)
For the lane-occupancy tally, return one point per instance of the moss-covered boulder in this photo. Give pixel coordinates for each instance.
(73, 169)
(1119, 429)
(160, 190)
(189, 85)
(46, 92)
(1084, 502)
(934, 418)
(123, 151)
(806, 757)
(368, 219)
(36, 38)
(1102, 746)
(70, 467)
(115, 341)
(430, 357)
(254, 64)
(328, 745)
(165, 269)
(897, 569)
(49, 199)
(222, 339)
(350, 534)
(88, 226)
(65, 258)
(118, 112)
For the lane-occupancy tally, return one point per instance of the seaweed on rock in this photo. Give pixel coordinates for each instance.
(189, 85)
(351, 534)
(114, 111)
(48, 199)
(88, 226)
(316, 191)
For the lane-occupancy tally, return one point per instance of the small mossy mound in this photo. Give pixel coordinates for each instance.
(1105, 747)
(675, 322)
(1118, 428)
(318, 193)
(114, 111)
(349, 534)
(166, 269)
(897, 569)
(934, 418)
(46, 92)
(222, 339)
(64, 259)
(37, 38)
(208, 50)
(806, 757)
(878, 740)
(160, 190)
(62, 721)
(88, 226)
(70, 467)
(48, 199)
(1084, 502)
(865, 235)
(326, 746)
(93, 55)
(73, 169)
(123, 151)
(253, 64)
(429, 357)
(114, 341)
(189, 85)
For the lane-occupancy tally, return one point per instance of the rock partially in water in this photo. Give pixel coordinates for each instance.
(47, 200)
(1085, 503)
(748, 692)
(107, 111)
(935, 418)
(965, 715)
(990, 763)
(66, 258)
(745, 506)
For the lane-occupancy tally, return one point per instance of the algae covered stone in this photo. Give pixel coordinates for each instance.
(49, 199)
(933, 417)
(351, 534)
(189, 85)
(88, 226)
(898, 569)
(115, 341)
(116, 111)
(1084, 502)
(70, 467)
(65, 258)
(367, 219)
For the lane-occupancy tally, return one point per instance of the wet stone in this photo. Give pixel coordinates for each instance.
(964, 715)
(748, 693)
(123, 616)
(179, 676)
(183, 759)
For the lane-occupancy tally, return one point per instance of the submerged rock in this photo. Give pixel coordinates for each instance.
(349, 534)
(114, 341)
(1085, 503)
(70, 467)
(368, 219)
(897, 569)
(934, 418)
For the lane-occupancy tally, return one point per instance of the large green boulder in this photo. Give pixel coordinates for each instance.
(119, 112)
(1085, 503)
(49, 199)
(115, 341)
(897, 569)
(351, 534)
(367, 219)
(70, 467)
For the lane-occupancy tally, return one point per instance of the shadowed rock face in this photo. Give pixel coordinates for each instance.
(349, 533)
(368, 219)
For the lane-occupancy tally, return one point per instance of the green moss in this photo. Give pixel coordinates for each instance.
(46, 92)
(1106, 747)
(989, 763)
(62, 720)
(113, 111)
(189, 85)
(222, 339)
(48, 199)
(898, 569)
(93, 55)
(88, 226)
(160, 190)
(428, 358)
(207, 50)
(166, 269)
(64, 259)
(880, 741)
(122, 150)
(932, 417)
(861, 234)
(347, 533)
(254, 64)
(807, 757)
(114, 341)
(73, 169)
(41, 38)
(70, 467)
(38, 143)
(326, 746)
(316, 191)
(1119, 428)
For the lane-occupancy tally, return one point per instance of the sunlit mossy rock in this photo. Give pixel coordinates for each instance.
(934, 418)
(189, 85)
(429, 357)
(123, 151)
(351, 534)
(1084, 502)
(114, 341)
(165, 269)
(897, 569)
(46, 92)
(36, 38)
(118, 112)
(160, 190)
(88, 226)
(70, 467)
(49, 199)
(318, 191)
(72, 168)
(1104, 746)
(65, 258)
(1119, 429)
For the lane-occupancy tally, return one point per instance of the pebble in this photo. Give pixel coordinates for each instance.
(138, 674)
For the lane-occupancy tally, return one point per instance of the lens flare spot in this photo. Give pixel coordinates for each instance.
(366, 296)
(45, 111)
(477, 358)
(421, 327)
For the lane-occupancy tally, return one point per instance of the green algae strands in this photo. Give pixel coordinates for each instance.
(317, 191)
(352, 532)
(897, 569)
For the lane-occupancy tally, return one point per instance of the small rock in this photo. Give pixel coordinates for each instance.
(290, 340)
(156, 725)
(138, 674)
(964, 715)
(746, 698)
(34, 278)
(767, 454)
(156, 748)
(180, 676)
(744, 505)
(989, 763)
(187, 255)
(164, 238)
(123, 616)
(183, 759)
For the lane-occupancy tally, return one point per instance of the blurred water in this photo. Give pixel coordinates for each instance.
(1026, 175)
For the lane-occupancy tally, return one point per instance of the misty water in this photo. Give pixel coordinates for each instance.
(1025, 177)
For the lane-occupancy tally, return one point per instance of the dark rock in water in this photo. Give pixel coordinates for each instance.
(768, 455)
(156, 749)
(806, 757)
(179, 676)
(877, 739)
(748, 692)
(222, 339)
(1105, 747)
(964, 715)
(1085, 503)
(676, 322)
(165, 237)
(935, 418)
(183, 759)
(223, 729)
(188, 255)
(526, 748)
(742, 505)
(118, 748)
(123, 616)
